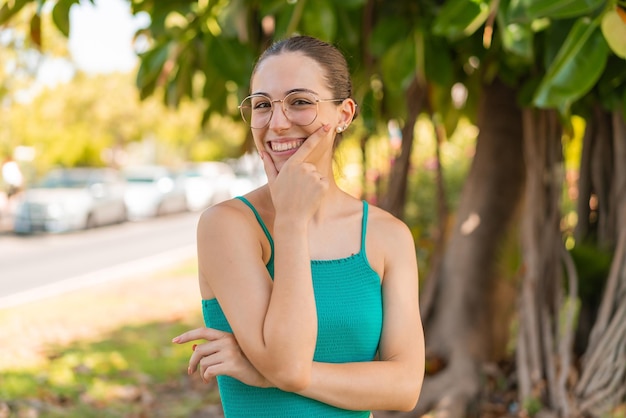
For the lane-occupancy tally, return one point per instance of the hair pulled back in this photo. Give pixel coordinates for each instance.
(337, 74)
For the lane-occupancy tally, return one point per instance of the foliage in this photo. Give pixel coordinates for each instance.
(557, 49)
(592, 266)
(90, 119)
(205, 50)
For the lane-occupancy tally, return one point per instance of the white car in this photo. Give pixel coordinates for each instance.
(207, 183)
(72, 199)
(153, 190)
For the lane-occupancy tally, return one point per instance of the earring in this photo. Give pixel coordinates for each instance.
(340, 129)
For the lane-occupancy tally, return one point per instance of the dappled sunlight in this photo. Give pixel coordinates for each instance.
(470, 224)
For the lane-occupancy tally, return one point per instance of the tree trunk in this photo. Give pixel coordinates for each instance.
(457, 330)
(596, 206)
(546, 330)
(428, 291)
(602, 385)
(395, 199)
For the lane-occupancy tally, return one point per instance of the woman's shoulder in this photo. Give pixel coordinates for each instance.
(237, 212)
(222, 213)
(379, 218)
(226, 215)
(387, 230)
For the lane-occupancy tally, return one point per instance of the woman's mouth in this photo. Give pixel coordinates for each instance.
(283, 146)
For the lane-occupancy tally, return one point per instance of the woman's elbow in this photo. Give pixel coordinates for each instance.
(407, 403)
(292, 378)
(411, 389)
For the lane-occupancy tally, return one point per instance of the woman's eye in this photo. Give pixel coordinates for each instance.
(300, 102)
(262, 105)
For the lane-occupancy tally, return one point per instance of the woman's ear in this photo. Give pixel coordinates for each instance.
(348, 110)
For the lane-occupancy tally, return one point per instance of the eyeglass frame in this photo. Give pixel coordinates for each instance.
(282, 105)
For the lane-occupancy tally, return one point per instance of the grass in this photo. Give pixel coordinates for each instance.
(105, 351)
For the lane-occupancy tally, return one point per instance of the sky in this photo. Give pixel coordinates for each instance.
(101, 36)
(100, 42)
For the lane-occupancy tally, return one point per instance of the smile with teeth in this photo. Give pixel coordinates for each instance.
(286, 146)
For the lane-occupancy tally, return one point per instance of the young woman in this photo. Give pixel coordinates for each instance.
(309, 295)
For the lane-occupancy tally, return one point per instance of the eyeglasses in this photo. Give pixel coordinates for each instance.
(300, 107)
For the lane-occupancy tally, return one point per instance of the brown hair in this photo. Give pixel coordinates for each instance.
(337, 74)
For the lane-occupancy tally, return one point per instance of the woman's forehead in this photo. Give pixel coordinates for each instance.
(279, 74)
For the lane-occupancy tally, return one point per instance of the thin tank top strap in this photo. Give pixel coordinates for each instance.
(260, 221)
(364, 227)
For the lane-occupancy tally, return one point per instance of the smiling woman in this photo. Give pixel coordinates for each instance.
(309, 295)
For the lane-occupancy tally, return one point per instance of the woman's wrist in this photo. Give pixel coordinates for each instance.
(290, 225)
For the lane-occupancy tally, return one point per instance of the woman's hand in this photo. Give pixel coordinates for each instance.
(298, 188)
(220, 355)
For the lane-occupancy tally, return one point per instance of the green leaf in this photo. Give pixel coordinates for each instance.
(437, 61)
(231, 59)
(555, 36)
(35, 29)
(61, 15)
(460, 18)
(576, 68)
(181, 81)
(150, 69)
(611, 87)
(7, 12)
(398, 65)
(517, 38)
(387, 32)
(319, 20)
(561, 9)
(614, 31)
(368, 112)
(352, 4)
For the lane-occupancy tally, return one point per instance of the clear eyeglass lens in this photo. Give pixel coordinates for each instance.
(299, 107)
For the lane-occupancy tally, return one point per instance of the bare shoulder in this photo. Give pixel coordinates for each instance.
(386, 228)
(390, 244)
(226, 232)
(222, 217)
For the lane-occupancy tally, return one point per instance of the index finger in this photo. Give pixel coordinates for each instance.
(198, 334)
(309, 145)
(268, 165)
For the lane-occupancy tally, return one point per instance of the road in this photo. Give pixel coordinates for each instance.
(37, 266)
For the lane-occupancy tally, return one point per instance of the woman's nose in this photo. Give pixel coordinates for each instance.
(279, 119)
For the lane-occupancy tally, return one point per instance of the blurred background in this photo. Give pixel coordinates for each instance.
(495, 129)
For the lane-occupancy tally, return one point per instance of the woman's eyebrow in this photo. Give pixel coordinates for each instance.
(299, 90)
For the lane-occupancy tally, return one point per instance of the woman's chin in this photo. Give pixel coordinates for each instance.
(279, 164)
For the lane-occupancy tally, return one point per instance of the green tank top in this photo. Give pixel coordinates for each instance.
(349, 313)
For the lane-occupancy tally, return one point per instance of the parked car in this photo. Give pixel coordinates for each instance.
(153, 190)
(207, 183)
(72, 199)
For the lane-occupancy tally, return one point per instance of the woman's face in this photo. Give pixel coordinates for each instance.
(278, 76)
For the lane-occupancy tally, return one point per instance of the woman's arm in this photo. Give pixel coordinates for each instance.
(277, 335)
(275, 322)
(393, 382)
